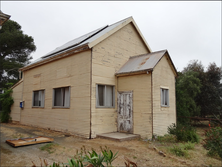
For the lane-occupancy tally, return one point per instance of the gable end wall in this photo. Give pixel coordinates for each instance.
(107, 58)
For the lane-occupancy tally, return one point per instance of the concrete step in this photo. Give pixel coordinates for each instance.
(118, 136)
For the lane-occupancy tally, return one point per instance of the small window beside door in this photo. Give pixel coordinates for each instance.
(61, 97)
(105, 96)
(164, 97)
(38, 98)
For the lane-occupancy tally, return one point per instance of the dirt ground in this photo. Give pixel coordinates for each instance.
(139, 151)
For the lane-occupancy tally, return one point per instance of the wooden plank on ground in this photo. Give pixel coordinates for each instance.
(28, 141)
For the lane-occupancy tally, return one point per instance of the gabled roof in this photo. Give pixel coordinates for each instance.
(91, 39)
(143, 63)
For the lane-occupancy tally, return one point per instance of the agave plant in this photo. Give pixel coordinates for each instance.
(108, 155)
(95, 159)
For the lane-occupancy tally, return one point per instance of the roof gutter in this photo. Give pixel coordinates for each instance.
(59, 56)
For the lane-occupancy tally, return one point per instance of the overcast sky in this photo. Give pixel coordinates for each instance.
(188, 30)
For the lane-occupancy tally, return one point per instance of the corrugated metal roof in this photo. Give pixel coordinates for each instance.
(142, 62)
(85, 39)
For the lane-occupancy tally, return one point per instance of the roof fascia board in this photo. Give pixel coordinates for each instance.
(170, 63)
(129, 20)
(16, 84)
(141, 35)
(95, 42)
(59, 56)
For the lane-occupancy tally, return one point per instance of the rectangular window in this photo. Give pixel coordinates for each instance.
(164, 97)
(38, 98)
(105, 96)
(61, 97)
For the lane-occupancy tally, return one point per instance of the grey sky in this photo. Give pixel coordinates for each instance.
(188, 30)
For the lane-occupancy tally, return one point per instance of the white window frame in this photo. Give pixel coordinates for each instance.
(41, 99)
(104, 97)
(164, 98)
(67, 97)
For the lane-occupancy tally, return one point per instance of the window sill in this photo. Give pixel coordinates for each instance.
(165, 106)
(60, 107)
(37, 107)
(105, 107)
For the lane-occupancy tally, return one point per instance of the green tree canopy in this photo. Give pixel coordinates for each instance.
(15, 50)
(187, 88)
(210, 96)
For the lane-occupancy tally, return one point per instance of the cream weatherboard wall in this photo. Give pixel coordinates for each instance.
(142, 110)
(82, 71)
(73, 71)
(17, 97)
(107, 58)
(163, 76)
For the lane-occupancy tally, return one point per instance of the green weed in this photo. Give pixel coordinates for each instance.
(188, 146)
(167, 138)
(50, 147)
(178, 151)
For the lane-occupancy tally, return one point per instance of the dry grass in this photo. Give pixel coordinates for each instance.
(197, 156)
(139, 151)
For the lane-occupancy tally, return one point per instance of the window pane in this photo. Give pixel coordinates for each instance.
(40, 98)
(36, 98)
(66, 97)
(162, 96)
(58, 97)
(109, 96)
(101, 91)
(166, 97)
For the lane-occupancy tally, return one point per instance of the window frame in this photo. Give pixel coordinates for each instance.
(162, 102)
(53, 97)
(43, 98)
(104, 99)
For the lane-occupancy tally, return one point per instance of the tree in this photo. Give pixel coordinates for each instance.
(15, 50)
(6, 102)
(213, 105)
(210, 97)
(187, 88)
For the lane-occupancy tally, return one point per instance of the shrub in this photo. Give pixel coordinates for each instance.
(213, 141)
(184, 133)
(6, 102)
